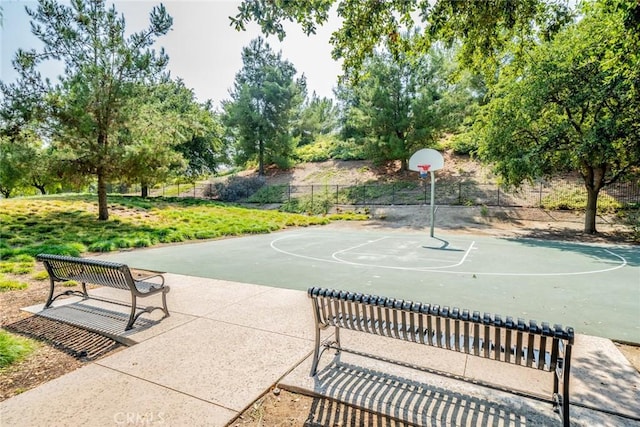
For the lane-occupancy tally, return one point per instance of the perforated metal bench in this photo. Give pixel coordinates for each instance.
(102, 273)
(486, 336)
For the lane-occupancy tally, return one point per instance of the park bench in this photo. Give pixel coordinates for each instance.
(486, 336)
(102, 273)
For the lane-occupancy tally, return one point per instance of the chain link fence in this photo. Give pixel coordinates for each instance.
(557, 194)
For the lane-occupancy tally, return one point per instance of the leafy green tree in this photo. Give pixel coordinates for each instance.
(573, 108)
(14, 164)
(24, 161)
(319, 116)
(396, 108)
(205, 151)
(265, 102)
(87, 112)
(173, 135)
(483, 26)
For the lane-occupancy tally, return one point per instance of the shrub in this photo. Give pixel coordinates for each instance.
(348, 150)
(22, 267)
(14, 348)
(269, 194)
(7, 284)
(319, 205)
(319, 150)
(576, 199)
(102, 246)
(70, 249)
(464, 143)
(235, 188)
(40, 275)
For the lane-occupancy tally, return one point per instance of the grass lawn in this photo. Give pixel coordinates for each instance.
(68, 225)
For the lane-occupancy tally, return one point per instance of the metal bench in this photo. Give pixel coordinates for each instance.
(486, 336)
(102, 273)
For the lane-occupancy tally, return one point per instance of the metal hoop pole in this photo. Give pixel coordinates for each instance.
(433, 190)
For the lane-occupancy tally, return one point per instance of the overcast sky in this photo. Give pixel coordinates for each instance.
(204, 50)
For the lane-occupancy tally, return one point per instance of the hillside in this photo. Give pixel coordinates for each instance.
(341, 172)
(511, 221)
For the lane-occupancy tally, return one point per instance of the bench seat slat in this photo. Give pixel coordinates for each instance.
(413, 334)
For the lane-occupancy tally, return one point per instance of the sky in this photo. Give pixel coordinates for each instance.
(204, 50)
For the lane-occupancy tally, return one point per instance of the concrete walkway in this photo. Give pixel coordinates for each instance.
(228, 343)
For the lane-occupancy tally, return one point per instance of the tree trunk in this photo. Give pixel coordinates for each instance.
(144, 191)
(591, 211)
(41, 188)
(404, 165)
(103, 210)
(261, 158)
(593, 181)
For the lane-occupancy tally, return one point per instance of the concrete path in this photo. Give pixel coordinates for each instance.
(227, 343)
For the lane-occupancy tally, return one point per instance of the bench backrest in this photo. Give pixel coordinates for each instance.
(488, 336)
(104, 273)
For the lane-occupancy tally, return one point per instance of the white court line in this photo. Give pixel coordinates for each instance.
(393, 267)
(374, 255)
(335, 254)
(336, 260)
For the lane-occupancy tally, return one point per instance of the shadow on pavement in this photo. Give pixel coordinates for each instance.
(75, 341)
(359, 396)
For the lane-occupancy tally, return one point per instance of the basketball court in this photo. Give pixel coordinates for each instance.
(594, 288)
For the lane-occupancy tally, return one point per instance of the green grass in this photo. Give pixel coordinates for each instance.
(574, 199)
(40, 275)
(68, 225)
(14, 348)
(9, 284)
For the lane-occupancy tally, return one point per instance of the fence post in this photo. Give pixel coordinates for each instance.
(499, 196)
(540, 196)
(325, 202)
(460, 192)
(393, 193)
(194, 190)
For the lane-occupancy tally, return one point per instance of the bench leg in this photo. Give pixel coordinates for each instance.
(132, 316)
(316, 354)
(134, 307)
(164, 304)
(50, 297)
(561, 397)
(565, 387)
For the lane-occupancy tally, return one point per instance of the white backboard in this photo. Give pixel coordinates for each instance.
(426, 156)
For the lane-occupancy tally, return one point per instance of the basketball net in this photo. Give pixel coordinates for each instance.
(423, 169)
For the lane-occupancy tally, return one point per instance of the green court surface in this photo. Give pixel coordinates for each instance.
(593, 288)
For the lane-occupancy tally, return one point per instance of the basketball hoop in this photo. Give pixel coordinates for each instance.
(423, 170)
(426, 161)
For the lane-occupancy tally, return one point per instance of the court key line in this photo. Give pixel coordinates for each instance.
(336, 260)
(392, 267)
